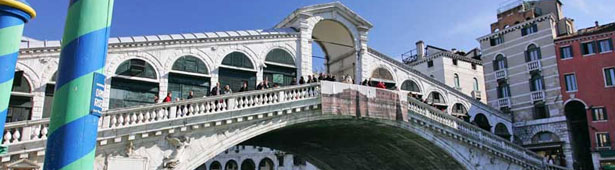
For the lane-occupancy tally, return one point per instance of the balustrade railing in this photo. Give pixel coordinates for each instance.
(534, 65)
(476, 94)
(426, 113)
(24, 131)
(501, 74)
(504, 102)
(538, 96)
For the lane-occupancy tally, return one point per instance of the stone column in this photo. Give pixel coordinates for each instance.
(305, 68)
(361, 52)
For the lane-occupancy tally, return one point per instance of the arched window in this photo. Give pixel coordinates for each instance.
(482, 122)
(456, 80)
(231, 165)
(460, 112)
(383, 75)
(20, 103)
(503, 90)
(215, 166)
(136, 68)
(128, 91)
(532, 53)
(280, 67)
(266, 164)
(237, 68)
(476, 88)
(49, 92)
(500, 63)
(189, 74)
(536, 82)
(248, 164)
(502, 131)
(436, 98)
(410, 85)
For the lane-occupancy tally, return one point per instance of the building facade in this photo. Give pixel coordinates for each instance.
(459, 70)
(586, 62)
(522, 78)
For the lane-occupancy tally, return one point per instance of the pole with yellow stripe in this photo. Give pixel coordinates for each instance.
(77, 102)
(13, 15)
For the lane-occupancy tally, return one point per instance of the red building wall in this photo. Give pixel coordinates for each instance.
(590, 81)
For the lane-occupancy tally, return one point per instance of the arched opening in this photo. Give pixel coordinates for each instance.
(189, 74)
(231, 165)
(576, 117)
(437, 100)
(237, 68)
(248, 164)
(20, 105)
(383, 75)
(475, 85)
(460, 112)
(482, 122)
(456, 80)
(337, 45)
(413, 88)
(135, 83)
(280, 67)
(502, 131)
(215, 166)
(266, 164)
(532, 53)
(50, 88)
(549, 146)
(500, 62)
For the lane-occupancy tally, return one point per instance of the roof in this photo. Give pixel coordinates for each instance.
(308, 9)
(31, 43)
(590, 31)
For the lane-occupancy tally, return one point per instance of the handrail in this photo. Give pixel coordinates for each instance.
(441, 85)
(471, 131)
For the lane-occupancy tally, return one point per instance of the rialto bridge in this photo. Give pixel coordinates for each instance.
(333, 125)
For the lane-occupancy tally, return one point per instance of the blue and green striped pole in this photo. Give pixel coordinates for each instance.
(13, 15)
(71, 143)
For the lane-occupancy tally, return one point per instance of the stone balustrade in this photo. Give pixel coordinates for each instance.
(534, 65)
(501, 74)
(24, 131)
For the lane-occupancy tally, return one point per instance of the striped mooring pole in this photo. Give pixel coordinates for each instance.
(77, 103)
(13, 15)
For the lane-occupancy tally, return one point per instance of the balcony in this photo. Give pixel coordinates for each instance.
(534, 65)
(476, 94)
(504, 102)
(501, 74)
(538, 96)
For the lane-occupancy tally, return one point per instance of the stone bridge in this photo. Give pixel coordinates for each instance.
(333, 125)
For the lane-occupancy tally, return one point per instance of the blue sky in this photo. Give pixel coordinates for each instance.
(398, 24)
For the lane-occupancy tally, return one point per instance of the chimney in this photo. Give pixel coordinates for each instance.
(454, 50)
(420, 49)
(597, 25)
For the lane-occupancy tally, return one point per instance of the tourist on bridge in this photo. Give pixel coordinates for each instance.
(301, 80)
(309, 79)
(168, 98)
(216, 90)
(156, 98)
(314, 79)
(381, 85)
(321, 77)
(227, 89)
(348, 79)
(244, 86)
(294, 81)
(190, 95)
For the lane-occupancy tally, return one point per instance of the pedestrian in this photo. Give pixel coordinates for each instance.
(348, 79)
(321, 77)
(327, 77)
(156, 99)
(294, 81)
(168, 98)
(301, 80)
(309, 79)
(216, 90)
(190, 95)
(370, 82)
(266, 84)
(227, 89)
(333, 78)
(275, 85)
(381, 85)
(244, 87)
(364, 82)
(314, 79)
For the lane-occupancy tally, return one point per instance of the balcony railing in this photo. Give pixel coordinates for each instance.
(538, 96)
(501, 74)
(476, 94)
(534, 65)
(504, 102)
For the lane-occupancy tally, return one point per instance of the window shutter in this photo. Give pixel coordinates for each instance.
(596, 46)
(561, 53)
(527, 56)
(495, 65)
(606, 116)
(539, 53)
(532, 86)
(500, 91)
(584, 49)
(535, 27)
(611, 43)
(524, 31)
(505, 63)
(492, 41)
(542, 80)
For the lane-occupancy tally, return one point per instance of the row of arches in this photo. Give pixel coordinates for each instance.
(247, 164)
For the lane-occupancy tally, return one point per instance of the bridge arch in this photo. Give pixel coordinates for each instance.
(482, 121)
(266, 164)
(338, 43)
(248, 164)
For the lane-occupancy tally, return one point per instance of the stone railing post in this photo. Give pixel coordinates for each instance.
(172, 112)
(231, 103)
(26, 132)
(281, 96)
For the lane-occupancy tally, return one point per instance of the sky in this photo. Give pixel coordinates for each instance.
(398, 24)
